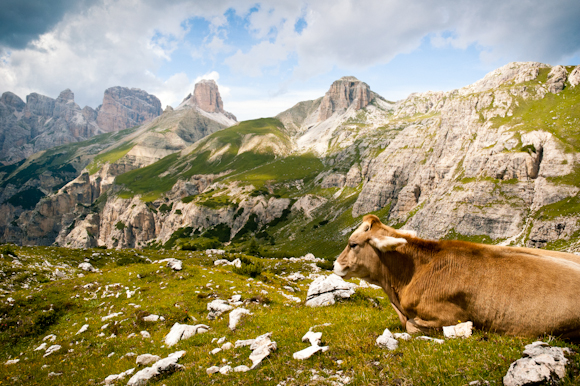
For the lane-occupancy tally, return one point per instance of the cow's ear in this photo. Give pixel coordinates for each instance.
(407, 232)
(386, 243)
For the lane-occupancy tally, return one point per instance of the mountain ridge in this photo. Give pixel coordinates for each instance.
(495, 161)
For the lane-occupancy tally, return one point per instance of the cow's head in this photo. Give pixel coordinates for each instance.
(361, 257)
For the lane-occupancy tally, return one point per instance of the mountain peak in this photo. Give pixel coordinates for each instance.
(206, 97)
(343, 93)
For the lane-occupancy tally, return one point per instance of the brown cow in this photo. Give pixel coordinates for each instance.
(431, 284)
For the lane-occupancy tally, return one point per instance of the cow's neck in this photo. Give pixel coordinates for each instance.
(399, 267)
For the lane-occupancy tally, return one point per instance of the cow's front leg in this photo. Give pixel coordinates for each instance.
(418, 325)
(402, 317)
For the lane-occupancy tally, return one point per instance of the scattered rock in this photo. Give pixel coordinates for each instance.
(541, 363)
(226, 369)
(218, 307)
(153, 318)
(52, 349)
(87, 267)
(236, 315)
(147, 359)
(41, 347)
(212, 370)
(50, 338)
(461, 330)
(83, 329)
(308, 352)
(183, 331)
(163, 366)
(296, 276)
(241, 369)
(215, 351)
(111, 379)
(110, 316)
(324, 289)
(145, 334)
(387, 340)
(402, 335)
(174, 264)
(315, 338)
(261, 348)
(11, 361)
(440, 341)
(227, 346)
(53, 374)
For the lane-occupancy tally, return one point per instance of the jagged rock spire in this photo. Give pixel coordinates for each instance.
(343, 93)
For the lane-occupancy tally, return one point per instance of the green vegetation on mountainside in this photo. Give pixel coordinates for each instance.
(147, 182)
(558, 114)
(64, 161)
(45, 304)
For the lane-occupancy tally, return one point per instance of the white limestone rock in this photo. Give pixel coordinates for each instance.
(241, 369)
(183, 331)
(84, 328)
(387, 340)
(236, 316)
(212, 370)
(261, 348)
(402, 336)
(145, 334)
(297, 276)
(308, 352)
(147, 359)
(325, 289)
(315, 338)
(52, 349)
(153, 318)
(41, 347)
(174, 264)
(218, 307)
(226, 369)
(428, 338)
(11, 362)
(161, 367)
(112, 379)
(541, 363)
(461, 330)
(51, 338)
(87, 267)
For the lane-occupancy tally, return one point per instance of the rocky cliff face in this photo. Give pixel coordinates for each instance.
(346, 92)
(495, 161)
(206, 96)
(126, 107)
(43, 123)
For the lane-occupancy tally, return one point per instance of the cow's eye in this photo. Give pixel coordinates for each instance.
(353, 245)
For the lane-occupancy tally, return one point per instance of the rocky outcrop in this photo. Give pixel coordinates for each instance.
(126, 107)
(556, 79)
(574, 77)
(43, 123)
(346, 92)
(206, 97)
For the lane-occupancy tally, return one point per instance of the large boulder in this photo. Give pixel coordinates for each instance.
(541, 363)
(325, 289)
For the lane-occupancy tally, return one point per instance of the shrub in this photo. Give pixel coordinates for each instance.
(327, 264)
(201, 244)
(120, 225)
(8, 250)
(249, 268)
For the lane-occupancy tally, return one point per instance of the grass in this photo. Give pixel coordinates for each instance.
(558, 114)
(182, 297)
(110, 156)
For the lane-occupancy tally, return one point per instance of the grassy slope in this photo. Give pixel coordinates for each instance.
(182, 297)
(146, 181)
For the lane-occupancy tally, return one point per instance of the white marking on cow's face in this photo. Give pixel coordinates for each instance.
(339, 270)
(386, 243)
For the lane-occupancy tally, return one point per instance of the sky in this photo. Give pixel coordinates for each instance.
(268, 55)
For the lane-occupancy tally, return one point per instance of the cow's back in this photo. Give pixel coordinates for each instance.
(506, 290)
